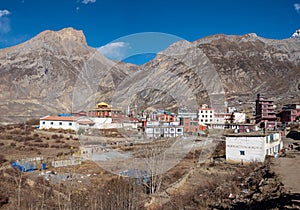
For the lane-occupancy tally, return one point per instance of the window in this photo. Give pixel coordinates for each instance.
(210, 111)
(70, 124)
(242, 152)
(44, 123)
(179, 130)
(60, 123)
(51, 123)
(201, 111)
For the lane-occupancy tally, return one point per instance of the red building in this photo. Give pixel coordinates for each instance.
(265, 113)
(191, 126)
(290, 113)
(166, 118)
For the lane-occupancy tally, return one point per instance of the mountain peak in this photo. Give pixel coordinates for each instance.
(296, 34)
(69, 34)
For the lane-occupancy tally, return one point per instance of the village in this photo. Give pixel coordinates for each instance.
(247, 139)
(95, 145)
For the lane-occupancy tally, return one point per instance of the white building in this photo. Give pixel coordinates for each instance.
(59, 122)
(160, 130)
(186, 113)
(205, 115)
(239, 117)
(74, 123)
(231, 109)
(248, 147)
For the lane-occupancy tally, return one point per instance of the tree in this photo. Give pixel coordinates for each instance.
(156, 159)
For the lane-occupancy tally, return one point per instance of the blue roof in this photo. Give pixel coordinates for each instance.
(64, 115)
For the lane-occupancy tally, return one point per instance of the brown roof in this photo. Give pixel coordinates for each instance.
(86, 122)
(59, 118)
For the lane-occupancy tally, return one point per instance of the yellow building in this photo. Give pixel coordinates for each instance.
(105, 110)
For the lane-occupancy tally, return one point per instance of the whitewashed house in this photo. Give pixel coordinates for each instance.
(205, 115)
(156, 129)
(74, 123)
(59, 122)
(248, 147)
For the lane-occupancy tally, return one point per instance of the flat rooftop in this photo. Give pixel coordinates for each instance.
(250, 134)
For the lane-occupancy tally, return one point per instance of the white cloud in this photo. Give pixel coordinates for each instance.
(115, 50)
(4, 21)
(297, 7)
(88, 1)
(4, 12)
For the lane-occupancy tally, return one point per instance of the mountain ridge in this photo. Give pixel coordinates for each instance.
(56, 70)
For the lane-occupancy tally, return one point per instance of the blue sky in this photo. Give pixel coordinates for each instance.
(104, 21)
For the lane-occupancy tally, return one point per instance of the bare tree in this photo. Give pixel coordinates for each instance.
(156, 158)
(121, 193)
(19, 181)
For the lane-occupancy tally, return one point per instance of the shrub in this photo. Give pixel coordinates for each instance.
(2, 159)
(10, 127)
(13, 144)
(54, 136)
(38, 140)
(9, 136)
(59, 141)
(16, 131)
(59, 154)
(33, 122)
(18, 138)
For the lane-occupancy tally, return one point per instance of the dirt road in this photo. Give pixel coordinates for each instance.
(288, 168)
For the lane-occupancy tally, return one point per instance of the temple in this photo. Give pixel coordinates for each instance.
(105, 110)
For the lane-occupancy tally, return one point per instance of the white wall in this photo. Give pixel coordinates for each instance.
(206, 116)
(130, 125)
(167, 131)
(45, 124)
(239, 117)
(273, 144)
(152, 123)
(253, 148)
(63, 163)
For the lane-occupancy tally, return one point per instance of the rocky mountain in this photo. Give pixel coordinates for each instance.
(38, 77)
(221, 68)
(58, 72)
